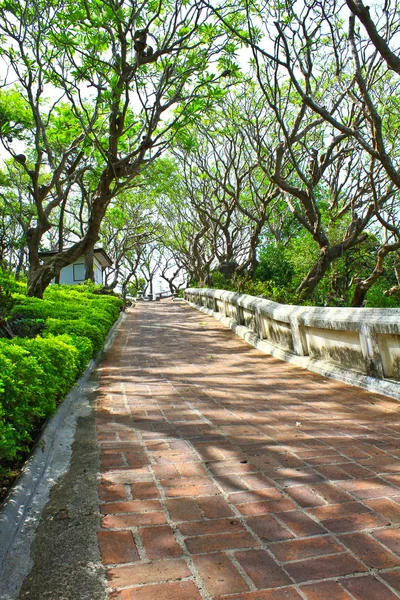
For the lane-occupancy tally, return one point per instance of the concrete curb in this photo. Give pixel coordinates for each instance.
(19, 515)
(349, 376)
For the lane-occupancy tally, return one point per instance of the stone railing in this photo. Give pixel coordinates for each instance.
(360, 346)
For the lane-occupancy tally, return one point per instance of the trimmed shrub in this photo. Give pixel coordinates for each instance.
(58, 359)
(78, 328)
(8, 282)
(84, 346)
(22, 326)
(24, 399)
(37, 372)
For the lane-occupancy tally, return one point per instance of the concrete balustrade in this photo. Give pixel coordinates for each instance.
(360, 346)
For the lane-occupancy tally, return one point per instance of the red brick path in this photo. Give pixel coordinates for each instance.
(229, 474)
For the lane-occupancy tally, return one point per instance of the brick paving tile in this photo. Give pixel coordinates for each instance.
(355, 470)
(332, 472)
(112, 492)
(159, 542)
(355, 523)
(287, 593)
(305, 496)
(144, 490)
(231, 483)
(191, 490)
(386, 507)
(162, 570)
(192, 470)
(331, 493)
(262, 569)
(166, 471)
(261, 508)
(325, 590)
(219, 575)
(368, 588)
(368, 488)
(393, 579)
(184, 590)
(267, 494)
(214, 507)
(370, 551)
(231, 468)
(338, 511)
(299, 479)
(305, 548)
(389, 537)
(257, 482)
(324, 567)
(134, 506)
(183, 509)
(268, 529)
(394, 479)
(223, 541)
(300, 524)
(203, 465)
(133, 520)
(112, 460)
(186, 482)
(209, 527)
(117, 547)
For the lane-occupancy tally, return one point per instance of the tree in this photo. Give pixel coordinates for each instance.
(129, 226)
(332, 136)
(380, 35)
(170, 271)
(124, 79)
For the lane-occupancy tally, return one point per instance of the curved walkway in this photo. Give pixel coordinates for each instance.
(229, 474)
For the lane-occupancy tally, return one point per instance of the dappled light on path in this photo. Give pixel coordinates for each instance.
(229, 474)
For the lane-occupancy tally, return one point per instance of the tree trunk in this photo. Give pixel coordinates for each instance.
(364, 285)
(89, 267)
(361, 288)
(21, 256)
(38, 280)
(40, 276)
(317, 272)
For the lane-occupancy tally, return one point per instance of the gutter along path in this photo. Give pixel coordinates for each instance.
(229, 474)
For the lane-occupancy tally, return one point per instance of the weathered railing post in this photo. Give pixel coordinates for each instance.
(371, 353)
(215, 304)
(298, 345)
(239, 315)
(258, 323)
(225, 303)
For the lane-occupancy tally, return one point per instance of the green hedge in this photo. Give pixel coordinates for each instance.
(72, 309)
(79, 328)
(36, 373)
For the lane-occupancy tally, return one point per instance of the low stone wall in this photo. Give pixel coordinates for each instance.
(360, 346)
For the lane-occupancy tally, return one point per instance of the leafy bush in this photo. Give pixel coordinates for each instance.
(24, 399)
(25, 326)
(8, 282)
(219, 281)
(84, 346)
(36, 372)
(6, 302)
(8, 286)
(270, 290)
(81, 328)
(58, 359)
(274, 265)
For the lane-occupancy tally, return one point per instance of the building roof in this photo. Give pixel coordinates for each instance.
(100, 254)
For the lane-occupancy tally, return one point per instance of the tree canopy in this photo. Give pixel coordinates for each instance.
(239, 144)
